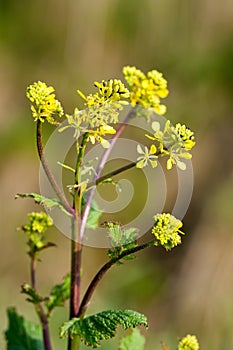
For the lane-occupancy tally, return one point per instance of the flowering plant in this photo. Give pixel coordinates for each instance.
(93, 125)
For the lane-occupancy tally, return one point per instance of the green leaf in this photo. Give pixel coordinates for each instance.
(133, 341)
(34, 297)
(94, 214)
(121, 240)
(102, 326)
(21, 334)
(48, 202)
(59, 294)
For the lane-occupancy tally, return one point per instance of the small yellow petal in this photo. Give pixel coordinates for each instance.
(169, 164)
(140, 164)
(153, 149)
(153, 163)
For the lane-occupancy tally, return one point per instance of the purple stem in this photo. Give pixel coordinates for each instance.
(103, 160)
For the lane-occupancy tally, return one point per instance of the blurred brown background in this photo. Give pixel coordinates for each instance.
(70, 44)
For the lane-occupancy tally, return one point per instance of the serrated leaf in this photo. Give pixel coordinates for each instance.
(22, 334)
(59, 294)
(102, 326)
(48, 202)
(133, 341)
(121, 240)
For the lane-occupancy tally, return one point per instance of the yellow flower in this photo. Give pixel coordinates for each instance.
(186, 135)
(148, 156)
(174, 142)
(146, 90)
(38, 224)
(44, 105)
(97, 135)
(189, 342)
(108, 91)
(166, 230)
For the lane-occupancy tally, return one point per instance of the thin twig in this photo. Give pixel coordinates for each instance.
(39, 309)
(112, 173)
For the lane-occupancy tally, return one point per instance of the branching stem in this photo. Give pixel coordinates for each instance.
(111, 174)
(76, 245)
(98, 277)
(87, 206)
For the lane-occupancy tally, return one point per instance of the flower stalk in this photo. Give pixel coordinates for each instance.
(39, 309)
(76, 244)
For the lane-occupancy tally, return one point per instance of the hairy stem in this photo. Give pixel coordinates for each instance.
(47, 170)
(98, 277)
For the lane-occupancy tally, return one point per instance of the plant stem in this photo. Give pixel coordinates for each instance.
(47, 170)
(43, 318)
(76, 244)
(87, 206)
(33, 271)
(39, 309)
(112, 173)
(76, 253)
(95, 281)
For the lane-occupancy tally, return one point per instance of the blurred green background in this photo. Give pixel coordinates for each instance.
(70, 44)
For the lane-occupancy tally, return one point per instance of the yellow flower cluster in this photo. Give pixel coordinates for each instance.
(189, 342)
(38, 224)
(174, 142)
(44, 105)
(94, 121)
(186, 136)
(146, 90)
(108, 91)
(166, 230)
(102, 109)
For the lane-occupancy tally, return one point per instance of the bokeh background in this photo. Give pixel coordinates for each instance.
(70, 44)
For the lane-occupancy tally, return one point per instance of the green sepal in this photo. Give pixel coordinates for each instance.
(133, 341)
(59, 294)
(102, 326)
(22, 334)
(34, 297)
(47, 202)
